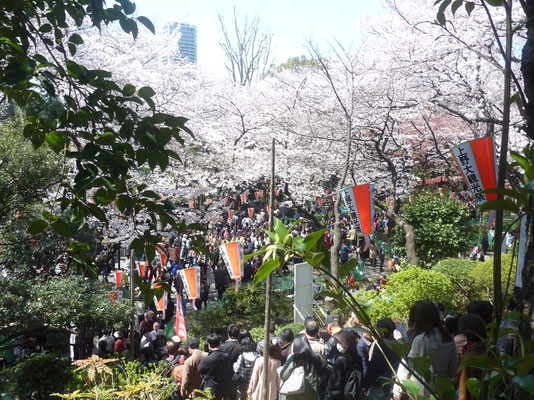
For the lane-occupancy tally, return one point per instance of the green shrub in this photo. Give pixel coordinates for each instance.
(483, 276)
(441, 227)
(246, 307)
(37, 376)
(295, 327)
(404, 288)
(459, 271)
(257, 333)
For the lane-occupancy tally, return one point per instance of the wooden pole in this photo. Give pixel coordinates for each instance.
(268, 292)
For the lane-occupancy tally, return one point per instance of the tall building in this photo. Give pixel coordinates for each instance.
(187, 44)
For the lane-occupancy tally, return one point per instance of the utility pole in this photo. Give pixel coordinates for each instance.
(268, 291)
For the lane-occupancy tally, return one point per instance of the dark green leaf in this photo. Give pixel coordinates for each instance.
(56, 141)
(76, 39)
(469, 6)
(146, 91)
(266, 269)
(443, 6)
(37, 226)
(62, 228)
(483, 362)
(494, 3)
(128, 90)
(147, 23)
(474, 386)
(312, 238)
(441, 18)
(129, 26)
(525, 382)
(456, 5)
(508, 192)
(521, 160)
(506, 205)
(411, 387)
(422, 364)
(345, 269)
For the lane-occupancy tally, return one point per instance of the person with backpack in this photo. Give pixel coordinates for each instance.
(310, 364)
(243, 366)
(345, 379)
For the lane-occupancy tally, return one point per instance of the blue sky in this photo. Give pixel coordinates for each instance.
(290, 21)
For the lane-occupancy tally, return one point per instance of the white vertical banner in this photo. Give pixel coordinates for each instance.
(521, 252)
(303, 287)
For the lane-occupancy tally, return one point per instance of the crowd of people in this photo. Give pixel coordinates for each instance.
(333, 361)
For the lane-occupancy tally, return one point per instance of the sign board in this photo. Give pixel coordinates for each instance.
(303, 286)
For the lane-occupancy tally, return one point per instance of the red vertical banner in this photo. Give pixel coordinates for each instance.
(251, 212)
(411, 199)
(387, 201)
(477, 162)
(230, 214)
(320, 201)
(276, 192)
(118, 278)
(359, 200)
(243, 198)
(257, 194)
(141, 269)
(179, 320)
(261, 193)
(268, 209)
(162, 254)
(233, 255)
(172, 254)
(453, 195)
(192, 204)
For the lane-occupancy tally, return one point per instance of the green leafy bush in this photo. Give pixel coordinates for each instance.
(406, 287)
(246, 307)
(295, 327)
(460, 273)
(38, 376)
(441, 227)
(483, 276)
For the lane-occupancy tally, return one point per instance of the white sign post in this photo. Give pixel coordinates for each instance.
(303, 286)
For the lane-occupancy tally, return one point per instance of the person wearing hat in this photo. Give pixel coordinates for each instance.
(120, 344)
(346, 362)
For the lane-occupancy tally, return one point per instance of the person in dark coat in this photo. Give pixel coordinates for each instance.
(344, 364)
(213, 368)
(231, 347)
(379, 373)
(221, 281)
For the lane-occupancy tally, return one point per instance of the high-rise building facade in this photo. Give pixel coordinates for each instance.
(187, 44)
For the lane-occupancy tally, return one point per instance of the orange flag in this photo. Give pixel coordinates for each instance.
(191, 280)
(118, 278)
(232, 254)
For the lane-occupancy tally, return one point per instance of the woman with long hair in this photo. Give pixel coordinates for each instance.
(302, 356)
(430, 339)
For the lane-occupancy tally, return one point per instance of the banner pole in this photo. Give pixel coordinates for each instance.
(268, 290)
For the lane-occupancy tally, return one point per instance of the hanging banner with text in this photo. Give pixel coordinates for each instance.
(232, 254)
(360, 202)
(191, 280)
(477, 162)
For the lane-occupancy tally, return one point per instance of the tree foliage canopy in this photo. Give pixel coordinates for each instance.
(441, 227)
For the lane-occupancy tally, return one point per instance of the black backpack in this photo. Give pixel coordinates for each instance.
(353, 386)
